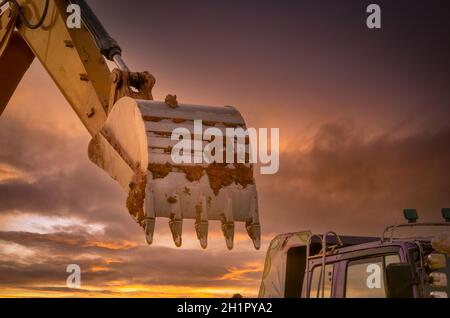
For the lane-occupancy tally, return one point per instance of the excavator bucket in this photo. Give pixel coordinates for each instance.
(139, 147)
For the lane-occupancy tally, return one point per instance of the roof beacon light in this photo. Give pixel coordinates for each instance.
(446, 214)
(411, 215)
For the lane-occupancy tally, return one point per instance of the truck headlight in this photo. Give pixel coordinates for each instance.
(436, 261)
(438, 294)
(438, 279)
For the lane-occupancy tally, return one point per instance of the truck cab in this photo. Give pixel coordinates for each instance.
(331, 266)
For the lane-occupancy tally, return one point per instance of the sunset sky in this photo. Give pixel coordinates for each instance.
(364, 128)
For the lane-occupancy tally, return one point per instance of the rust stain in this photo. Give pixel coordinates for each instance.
(160, 171)
(171, 101)
(220, 175)
(136, 193)
(172, 200)
(232, 125)
(167, 149)
(193, 173)
(198, 212)
(183, 120)
(136, 196)
(158, 119)
(95, 152)
(153, 118)
(163, 133)
(110, 138)
(209, 123)
(228, 125)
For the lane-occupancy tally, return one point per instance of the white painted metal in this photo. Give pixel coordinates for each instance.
(142, 130)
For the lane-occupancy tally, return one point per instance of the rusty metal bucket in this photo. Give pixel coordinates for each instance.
(137, 146)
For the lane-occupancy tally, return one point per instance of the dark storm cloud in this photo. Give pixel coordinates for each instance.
(134, 265)
(260, 55)
(50, 156)
(29, 148)
(65, 182)
(63, 241)
(357, 183)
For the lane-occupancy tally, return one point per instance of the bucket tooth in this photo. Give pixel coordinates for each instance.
(252, 225)
(254, 231)
(150, 217)
(176, 220)
(201, 223)
(228, 224)
(135, 147)
(176, 227)
(228, 232)
(202, 233)
(149, 230)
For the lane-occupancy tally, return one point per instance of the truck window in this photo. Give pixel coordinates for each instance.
(365, 277)
(295, 271)
(315, 281)
(391, 259)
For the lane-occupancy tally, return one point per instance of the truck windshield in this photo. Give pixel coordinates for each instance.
(365, 277)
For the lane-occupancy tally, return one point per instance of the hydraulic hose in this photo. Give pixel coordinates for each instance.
(107, 45)
(27, 23)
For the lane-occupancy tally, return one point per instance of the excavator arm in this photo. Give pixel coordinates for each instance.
(15, 61)
(131, 133)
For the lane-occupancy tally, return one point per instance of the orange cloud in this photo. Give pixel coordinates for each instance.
(10, 174)
(240, 273)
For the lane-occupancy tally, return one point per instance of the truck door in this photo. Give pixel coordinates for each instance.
(365, 277)
(315, 290)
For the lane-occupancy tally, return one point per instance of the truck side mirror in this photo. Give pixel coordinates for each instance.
(400, 280)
